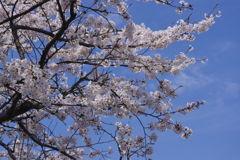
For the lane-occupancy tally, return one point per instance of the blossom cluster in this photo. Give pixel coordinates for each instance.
(36, 81)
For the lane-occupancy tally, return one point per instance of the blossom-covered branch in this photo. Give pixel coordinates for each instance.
(59, 96)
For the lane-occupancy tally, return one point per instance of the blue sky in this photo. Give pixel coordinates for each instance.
(216, 125)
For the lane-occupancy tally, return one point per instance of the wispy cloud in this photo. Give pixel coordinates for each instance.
(118, 20)
(223, 46)
(232, 89)
(193, 79)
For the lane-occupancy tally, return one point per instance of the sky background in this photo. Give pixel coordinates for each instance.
(216, 125)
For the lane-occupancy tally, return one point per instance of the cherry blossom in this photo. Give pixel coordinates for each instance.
(59, 96)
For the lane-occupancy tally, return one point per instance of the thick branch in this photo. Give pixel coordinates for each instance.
(42, 61)
(24, 13)
(15, 36)
(40, 143)
(40, 31)
(23, 108)
(35, 29)
(11, 110)
(10, 152)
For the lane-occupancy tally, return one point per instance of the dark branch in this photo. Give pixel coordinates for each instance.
(40, 143)
(10, 152)
(43, 60)
(25, 12)
(21, 109)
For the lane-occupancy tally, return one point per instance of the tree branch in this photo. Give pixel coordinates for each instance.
(43, 61)
(24, 13)
(10, 152)
(40, 143)
(23, 108)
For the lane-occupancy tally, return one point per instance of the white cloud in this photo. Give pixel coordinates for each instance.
(232, 89)
(116, 19)
(223, 46)
(193, 79)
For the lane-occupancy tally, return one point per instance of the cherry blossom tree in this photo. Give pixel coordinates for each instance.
(58, 59)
